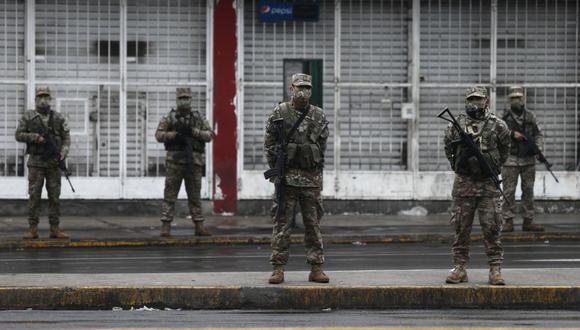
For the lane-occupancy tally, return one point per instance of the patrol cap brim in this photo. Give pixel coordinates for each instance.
(184, 93)
(516, 94)
(475, 94)
(300, 83)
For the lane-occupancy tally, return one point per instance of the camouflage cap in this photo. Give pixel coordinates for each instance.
(42, 90)
(301, 79)
(183, 92)
(477, 91)
(516, 91)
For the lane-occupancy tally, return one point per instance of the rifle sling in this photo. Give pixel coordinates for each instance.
(296, 124)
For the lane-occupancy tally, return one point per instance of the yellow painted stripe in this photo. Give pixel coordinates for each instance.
(217, 240)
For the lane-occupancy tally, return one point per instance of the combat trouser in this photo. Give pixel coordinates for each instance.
(176, 173)
(489, 214)
(36, 178)
(310, 202)
(510, 176)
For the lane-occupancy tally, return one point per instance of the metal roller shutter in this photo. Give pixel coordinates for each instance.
(374, 54)
(455, 53)
(11, 86)
(265, 47)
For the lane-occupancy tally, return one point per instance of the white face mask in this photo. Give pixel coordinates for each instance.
(301, 96)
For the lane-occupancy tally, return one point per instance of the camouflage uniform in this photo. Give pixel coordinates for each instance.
(40, 168)
(520, 163)
(306, 149)
(475, 192)
(176, 163)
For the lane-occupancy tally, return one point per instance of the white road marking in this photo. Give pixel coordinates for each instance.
(548, 260)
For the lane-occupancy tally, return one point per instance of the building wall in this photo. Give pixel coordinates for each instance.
(366, 49)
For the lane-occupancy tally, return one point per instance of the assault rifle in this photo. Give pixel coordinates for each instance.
(52, 152)
(279, 170)
(532, 149)
(472, 149)
(185, 135)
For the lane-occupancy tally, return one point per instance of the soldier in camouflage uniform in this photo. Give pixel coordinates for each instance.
(473, 190)
(303, 181)
(41, 168)
(521, 162)
(177, 129)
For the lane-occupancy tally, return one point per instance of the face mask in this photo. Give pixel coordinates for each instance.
(43, 103)
(301, 97)
(183, 104)
(516, 104)
(475, 109)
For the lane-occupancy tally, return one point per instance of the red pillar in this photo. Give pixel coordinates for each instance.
(225, 188)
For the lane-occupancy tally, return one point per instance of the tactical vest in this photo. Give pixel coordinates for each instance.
(483, 134)
(189, 121)
(303, 148)
(528, 127)
(36, 125)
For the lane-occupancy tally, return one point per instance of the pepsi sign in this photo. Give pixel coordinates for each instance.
(275, 11)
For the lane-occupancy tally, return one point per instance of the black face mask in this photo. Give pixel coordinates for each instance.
(43, 104)
(517, 106)
(475, 111)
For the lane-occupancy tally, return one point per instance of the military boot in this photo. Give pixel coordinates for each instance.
(277, 276)
(317, 275)
(165, 229)
(56, 233)
(200, 229)
(31, 232)
(529, 225)
(457, 275)
(495, 276)
(508, 226)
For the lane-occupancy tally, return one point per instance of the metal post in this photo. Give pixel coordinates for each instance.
(209, 90)
(30, 52)
(123, 96)
(240, 90)
(493, 57)
(336, 124)
(413, 143)
(225, 121)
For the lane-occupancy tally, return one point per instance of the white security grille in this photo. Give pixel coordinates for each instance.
(77, 40)
(77, 56)
(374, 56)
(166, 49)
(538, 47)
(266, 45)
(11, 108)
(455, 54)
(12, 86)
(76, 50)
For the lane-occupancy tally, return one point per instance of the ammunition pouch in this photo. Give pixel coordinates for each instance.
(196, 145)
(304, 156)
(468, 164)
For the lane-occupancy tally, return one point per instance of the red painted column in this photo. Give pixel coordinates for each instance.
(225, 190)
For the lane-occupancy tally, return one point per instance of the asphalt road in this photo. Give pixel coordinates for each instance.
(240, 258)
(348, 319)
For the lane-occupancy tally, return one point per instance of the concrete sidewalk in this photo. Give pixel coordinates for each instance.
(527, 288)
(348, 229)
